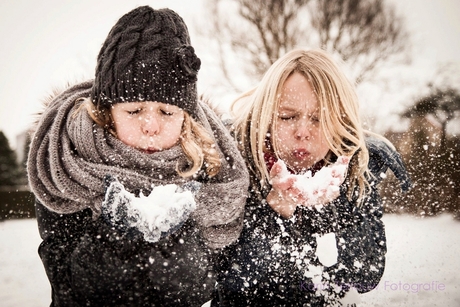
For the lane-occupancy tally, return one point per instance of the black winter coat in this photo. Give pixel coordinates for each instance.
(274, 262)
(90, 263)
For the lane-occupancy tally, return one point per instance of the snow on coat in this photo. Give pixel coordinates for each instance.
(322, 256)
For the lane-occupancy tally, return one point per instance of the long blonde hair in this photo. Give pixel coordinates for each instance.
(196, 142)
(255, 113)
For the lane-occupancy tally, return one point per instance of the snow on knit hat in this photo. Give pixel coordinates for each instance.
(147, 56)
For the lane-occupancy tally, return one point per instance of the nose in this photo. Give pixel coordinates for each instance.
(303, 130)
(150, 125)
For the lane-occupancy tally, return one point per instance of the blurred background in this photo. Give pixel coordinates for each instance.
(404, 57)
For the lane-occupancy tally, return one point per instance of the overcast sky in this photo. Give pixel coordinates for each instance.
(47, 43)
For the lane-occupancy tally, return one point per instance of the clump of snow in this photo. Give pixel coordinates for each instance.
(323, 186)
(314, 272)
(351, 298)
(326, 249)
(162, 212)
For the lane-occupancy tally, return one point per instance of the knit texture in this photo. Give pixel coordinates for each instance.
(147, 56)
(70, 156)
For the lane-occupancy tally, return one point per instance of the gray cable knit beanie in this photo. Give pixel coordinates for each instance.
(147, 56)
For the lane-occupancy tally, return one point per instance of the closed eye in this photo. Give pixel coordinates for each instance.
(134, 112)
(167, 113)
(287, 116)
(314, 118)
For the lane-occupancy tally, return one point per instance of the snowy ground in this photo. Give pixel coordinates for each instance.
(422, 264)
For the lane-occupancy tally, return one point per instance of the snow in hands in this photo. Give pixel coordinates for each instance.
(321, 188)
(160, 213)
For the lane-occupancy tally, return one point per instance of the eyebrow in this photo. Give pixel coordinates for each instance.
(288, 109)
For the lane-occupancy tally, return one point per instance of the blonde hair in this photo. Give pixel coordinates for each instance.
(255, 113)
(196, 142)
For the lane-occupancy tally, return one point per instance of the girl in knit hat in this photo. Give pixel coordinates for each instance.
(136, 180)
(313, 234)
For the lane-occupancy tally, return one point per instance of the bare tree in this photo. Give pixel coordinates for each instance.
(365, 33)
(442, 103)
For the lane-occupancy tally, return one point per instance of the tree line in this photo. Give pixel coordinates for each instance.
(12, 171)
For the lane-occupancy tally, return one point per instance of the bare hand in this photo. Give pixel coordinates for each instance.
(288, 190)
(284, 196)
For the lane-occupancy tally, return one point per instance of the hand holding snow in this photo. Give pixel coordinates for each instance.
(160, 213)
(321, 188)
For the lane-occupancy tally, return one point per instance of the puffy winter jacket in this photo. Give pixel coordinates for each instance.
(90, 263)
(276, 261)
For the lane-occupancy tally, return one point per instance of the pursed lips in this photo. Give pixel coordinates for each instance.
(300, 153)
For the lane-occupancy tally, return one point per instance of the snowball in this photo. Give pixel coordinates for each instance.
(314, 272)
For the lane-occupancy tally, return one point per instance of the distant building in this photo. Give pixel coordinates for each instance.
(423, 131)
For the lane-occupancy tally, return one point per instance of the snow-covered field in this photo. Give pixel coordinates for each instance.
(422, 264)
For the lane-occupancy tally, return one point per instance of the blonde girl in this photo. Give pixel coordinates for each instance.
(305, 112)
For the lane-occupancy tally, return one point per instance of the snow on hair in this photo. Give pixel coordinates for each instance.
(255, 112)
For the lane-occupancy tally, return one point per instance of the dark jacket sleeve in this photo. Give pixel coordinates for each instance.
(60, 234)
(88, 262)
(381, 158)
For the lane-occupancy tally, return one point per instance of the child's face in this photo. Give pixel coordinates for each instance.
(298, 134)
(148, 126)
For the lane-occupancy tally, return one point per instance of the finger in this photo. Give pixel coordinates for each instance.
(339, 172)
(296, 191)
(343, 160)
(276, 170)
(284, 184)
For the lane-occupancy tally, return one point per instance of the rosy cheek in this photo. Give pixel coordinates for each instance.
(285, 131)
(127, 135)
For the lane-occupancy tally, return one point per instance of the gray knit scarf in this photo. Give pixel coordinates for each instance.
(70, 156)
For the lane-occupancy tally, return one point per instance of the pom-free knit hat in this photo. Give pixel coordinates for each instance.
(147, 56)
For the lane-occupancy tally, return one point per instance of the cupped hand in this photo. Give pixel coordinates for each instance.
(284, 195)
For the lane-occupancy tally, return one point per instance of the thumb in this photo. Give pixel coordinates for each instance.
(276, 170)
